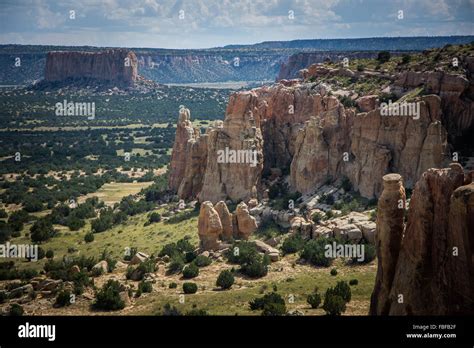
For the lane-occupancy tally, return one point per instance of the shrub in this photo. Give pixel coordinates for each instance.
(169, 249)
(271, 304)
(190, 256)
(189, 288)
(347, 102)
(89, 237)
(16, 310)
(176, 265)
(346, 184)
(42, 230)
(143, 268)
(383, 56)
(242, 252)
(197, 312)
(41, 253)
(369, 254)
(343, 289)
(314, 300)
(293, 244)
(190, 271)
(5, 232)
(256, 268)
(317, 217)
(184, 245)
(169, 310)
(406, 58)
(145, 286)
(313, 252)
(50, 254)
(202, 261)
(154, 217)
(63, 299)
(353, 282)
(173, 285)
(108, 298)
(333, 272)
(333, 304)
(360, 67)
(225, 280)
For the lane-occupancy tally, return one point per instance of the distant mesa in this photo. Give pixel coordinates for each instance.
(115, 66)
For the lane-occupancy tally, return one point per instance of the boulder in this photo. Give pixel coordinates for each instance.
(226, 220)
(367, 103)
(101, 266)
(246, 224)
(209, 226)
(138, 258)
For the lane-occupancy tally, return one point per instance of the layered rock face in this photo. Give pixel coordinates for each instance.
(298, 127)
(434, 270)
(235, 153)
(380, 144)
(456, 92)
(188, 158)
(110, 66)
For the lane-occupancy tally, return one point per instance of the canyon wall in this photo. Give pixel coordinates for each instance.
(111, 66)
(426, 266)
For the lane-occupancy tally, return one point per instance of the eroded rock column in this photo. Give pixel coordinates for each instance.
(388, 237)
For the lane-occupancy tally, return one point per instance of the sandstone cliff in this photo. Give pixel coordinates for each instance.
(188, 158)
(433, 258)
(110, 66)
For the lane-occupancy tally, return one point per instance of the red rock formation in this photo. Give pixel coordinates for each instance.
(188, 158)
(381, 144)
(209, 227)
(388, 237)
(110, 66)
(434, 271)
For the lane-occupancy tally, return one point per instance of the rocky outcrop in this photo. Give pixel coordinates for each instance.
(298, 61)
(116, 66)
(380, 144)
(188, 158)
(456, 93)
(209, 227)
(235, 153)
(388, 237)
(246, 223)
(216, 224)
(226, 220)
(367, 103)
(434, 272)
(301, 129)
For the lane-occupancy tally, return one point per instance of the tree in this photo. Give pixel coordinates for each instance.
(42, 230)
(225, 279)
(383, 56)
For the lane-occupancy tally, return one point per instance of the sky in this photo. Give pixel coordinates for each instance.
(215, 23)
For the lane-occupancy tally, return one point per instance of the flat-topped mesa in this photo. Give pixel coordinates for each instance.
(116, 66)
(433, 272)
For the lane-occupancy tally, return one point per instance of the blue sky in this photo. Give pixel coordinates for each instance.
(211, 23)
